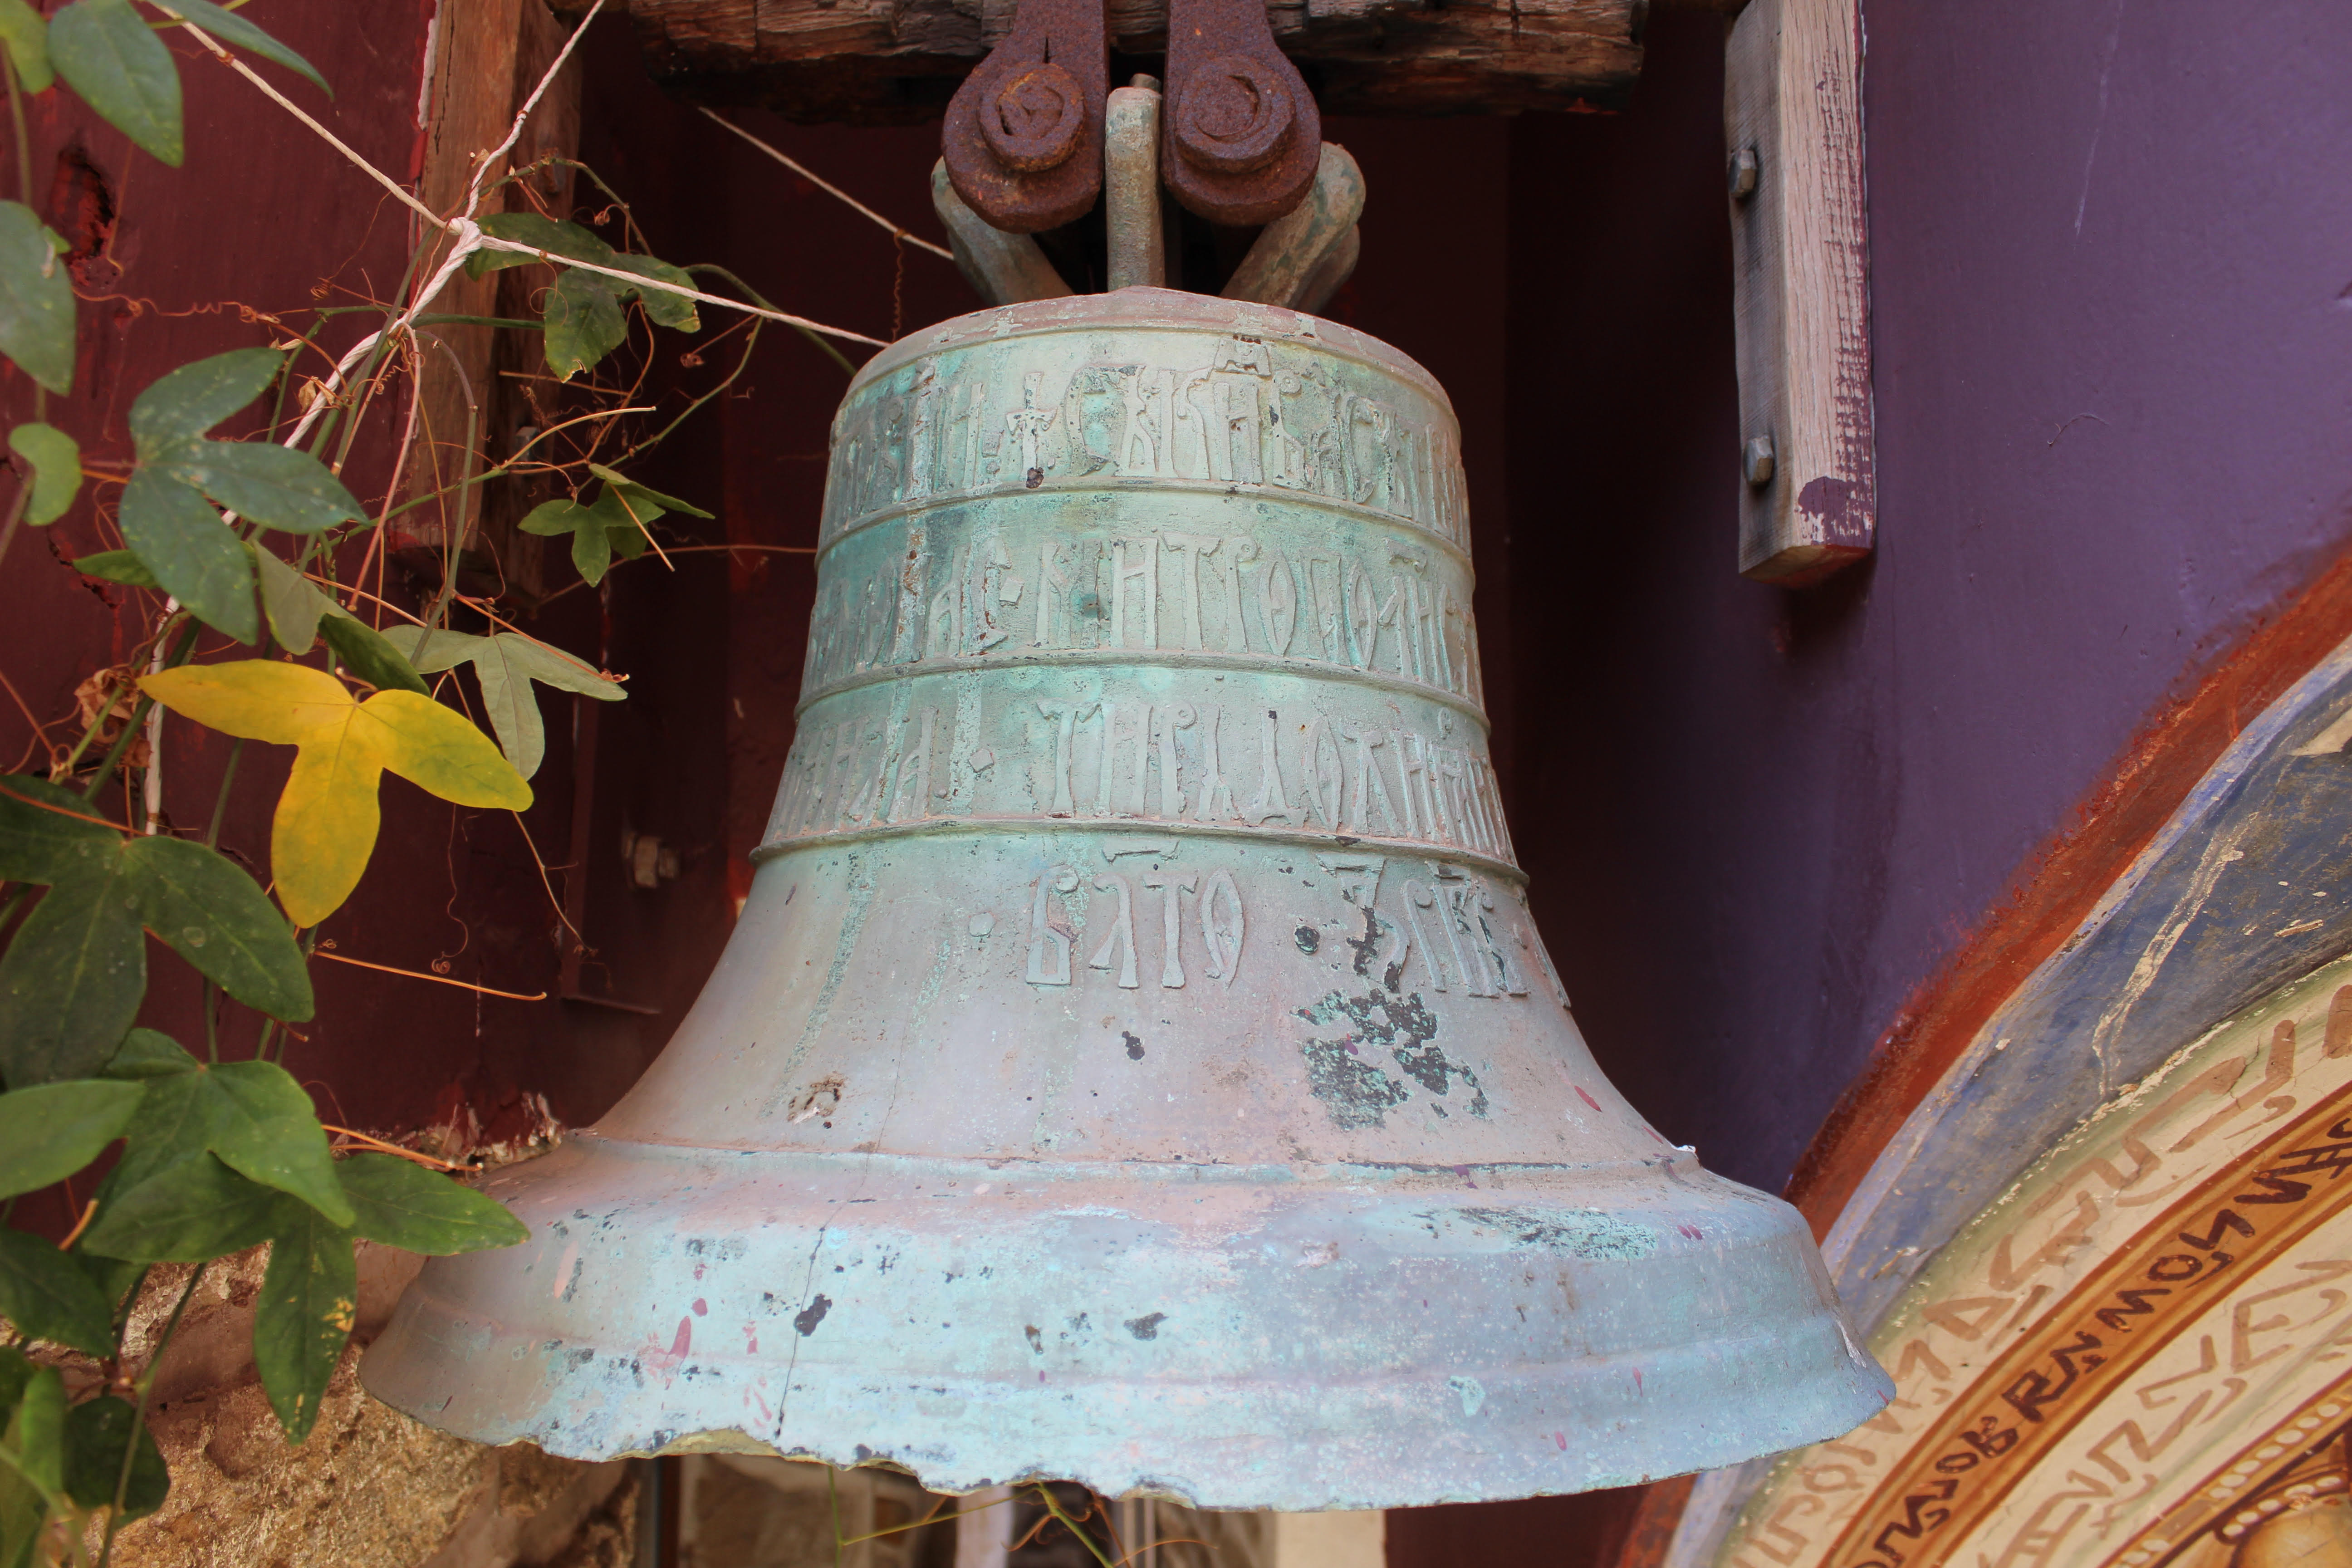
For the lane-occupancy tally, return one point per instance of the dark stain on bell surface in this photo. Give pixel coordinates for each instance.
(1359, 1093)
(1134, 1046)
(809, 1317)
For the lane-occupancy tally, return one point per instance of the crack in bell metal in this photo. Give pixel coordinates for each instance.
(1136, 1062)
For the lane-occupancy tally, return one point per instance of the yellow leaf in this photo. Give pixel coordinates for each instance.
(327, 819)
(436, 750)
(259, 698)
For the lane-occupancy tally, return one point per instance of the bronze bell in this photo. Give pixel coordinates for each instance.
(1136, 1062)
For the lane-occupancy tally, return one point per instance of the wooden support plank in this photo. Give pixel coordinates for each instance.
(897, 61)
(1793, 117)
(488, 54)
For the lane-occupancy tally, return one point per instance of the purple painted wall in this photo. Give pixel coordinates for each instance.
(2110, 251)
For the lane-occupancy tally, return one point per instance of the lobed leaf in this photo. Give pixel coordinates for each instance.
(257, 699)
(37, 298)
(642, 496)
(229, 28)
(365, 652)
(182, 404)
(48, 1296)
(665, 309)
(54, 457)
(274, 486)
(266, 1131)
(71, 980)
(97, 1437)
(401, 1204)
(437, 750)
(326, 821)
(292, 603)
(193, 554)
(148, 1053)
(46, 832)
(202, 1210)
(117, 566)
(52, 1129)
(560, 239)
(110, 56)
(443, 649)
(251, 1115)
(209, 910)
(36, 1432)
(303, 1317)
(26, 37)
(583, 323)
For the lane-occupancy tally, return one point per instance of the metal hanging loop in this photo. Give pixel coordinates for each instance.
(1024, 133)
(1242, 134)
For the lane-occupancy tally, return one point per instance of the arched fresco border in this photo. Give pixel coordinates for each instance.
(2216, 913)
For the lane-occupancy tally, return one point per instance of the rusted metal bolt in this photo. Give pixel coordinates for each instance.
(1756, 461)
(1037, 118)
(1235, 116)
(1743, 174)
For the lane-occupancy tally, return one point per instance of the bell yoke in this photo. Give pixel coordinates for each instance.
(1136, 1062)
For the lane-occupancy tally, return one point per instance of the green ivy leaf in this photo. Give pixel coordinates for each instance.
(37, 298)
(505, 664)
(583, 322)
(291, 601)
(193, 554)
(110, 56)
(368, 654)
(54, 457)
(200, 1210)
(643, 500)
(15, 1371)
(117, 566)
(48, 1296)
(182, 404)
(230, 28)
(558, 238)
(52, 1129)
(45, 830)
(36, 1434)
(98, 1435)
(252, 1115)
(71, 981)
(26, 37)
(277, 486)
(147, 1053)
(665, 309)
(613, 524)
(303, 1317)
(402, 1204)
(209, 910)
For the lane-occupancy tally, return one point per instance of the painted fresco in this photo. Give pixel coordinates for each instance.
(2109, 1261)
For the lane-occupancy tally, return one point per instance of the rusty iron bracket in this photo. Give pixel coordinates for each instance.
(1241, 133)
(1024, 140)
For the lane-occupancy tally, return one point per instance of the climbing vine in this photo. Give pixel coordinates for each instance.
(206, 1148)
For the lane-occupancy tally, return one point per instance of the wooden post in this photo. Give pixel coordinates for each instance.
(488, 55)
(1792, 116)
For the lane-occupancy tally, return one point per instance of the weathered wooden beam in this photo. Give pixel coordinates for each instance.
(1801, 279)
(897, 61)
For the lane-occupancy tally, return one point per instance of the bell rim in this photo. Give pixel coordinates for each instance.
(1210, 312)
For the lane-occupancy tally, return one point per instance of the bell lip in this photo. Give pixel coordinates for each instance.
(1146, 305)
(489, 1357)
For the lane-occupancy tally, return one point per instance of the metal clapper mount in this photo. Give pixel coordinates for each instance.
(1239, 144)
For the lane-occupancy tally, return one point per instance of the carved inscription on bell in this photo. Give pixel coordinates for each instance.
(1390, 610)
(1250, 411)
(1126, 758)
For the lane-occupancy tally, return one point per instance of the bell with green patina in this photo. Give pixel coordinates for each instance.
(1136, 1062)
